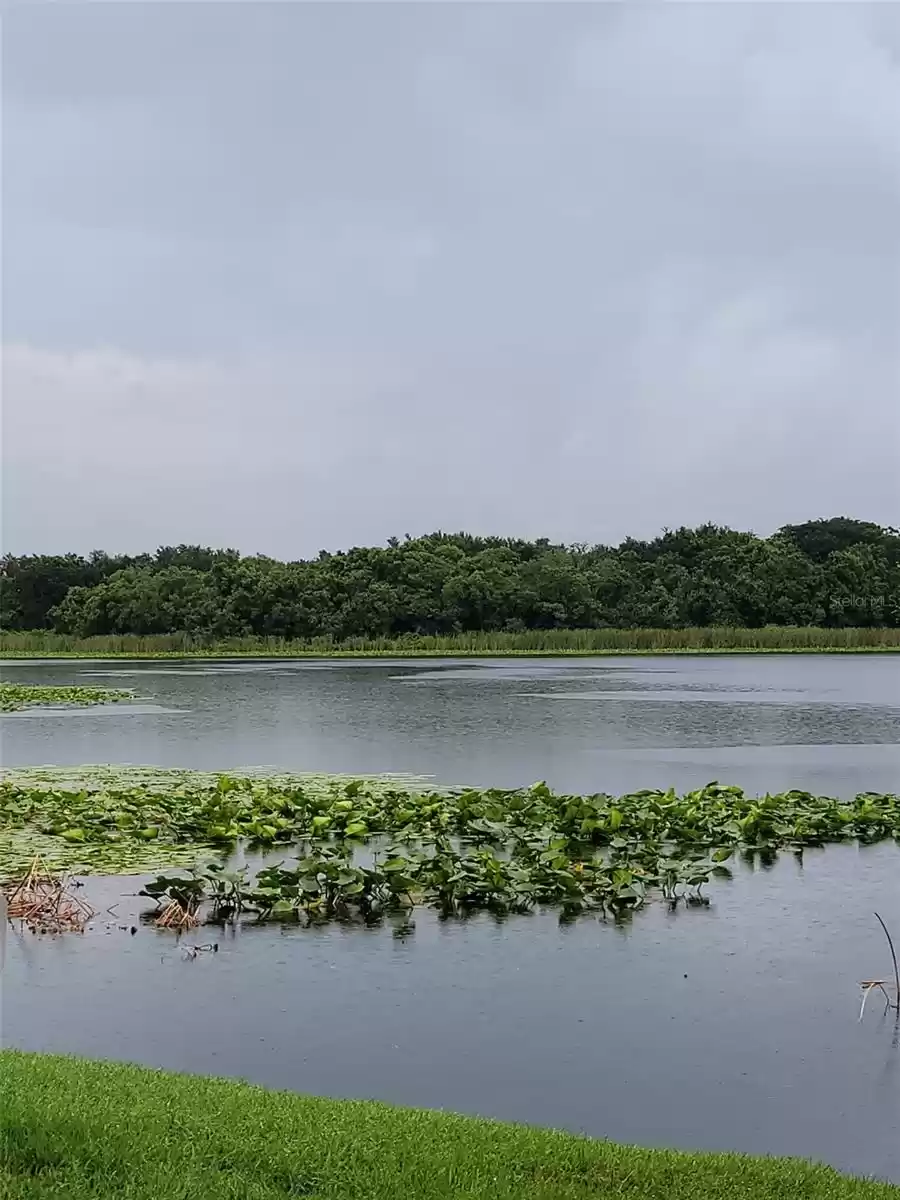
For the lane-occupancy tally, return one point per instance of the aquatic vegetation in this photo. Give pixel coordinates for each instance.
(16, 696)
(19, 846)
(179, 897)
(95, 820)
(178, 900)
(365, 847)
(325, 883)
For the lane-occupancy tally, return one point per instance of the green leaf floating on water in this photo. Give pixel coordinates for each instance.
(16, 696)
(221, 833)
(458, 849)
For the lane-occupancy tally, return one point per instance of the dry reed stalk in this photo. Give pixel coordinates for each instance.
(44, 902)
(176, 916)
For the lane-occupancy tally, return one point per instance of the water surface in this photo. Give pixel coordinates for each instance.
(826, 723)
(728, 1028)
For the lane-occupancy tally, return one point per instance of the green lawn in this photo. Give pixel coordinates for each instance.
(79, 1129)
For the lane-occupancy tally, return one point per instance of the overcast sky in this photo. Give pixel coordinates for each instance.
(291, 276)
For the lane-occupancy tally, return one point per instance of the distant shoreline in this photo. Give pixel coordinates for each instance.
(374, 655)
(558, 643)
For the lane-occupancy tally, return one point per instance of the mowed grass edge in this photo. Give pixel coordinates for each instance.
(77, 1128)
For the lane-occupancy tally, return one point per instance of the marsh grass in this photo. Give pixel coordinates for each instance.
(72, 1128)
(587, 642)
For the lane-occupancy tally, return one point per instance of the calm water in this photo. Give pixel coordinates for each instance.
(731, 1027)
(828, 724)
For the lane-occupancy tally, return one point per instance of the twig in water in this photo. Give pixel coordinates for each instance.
(882, 985)
(894, 957)
(871, 985)
(191, 952)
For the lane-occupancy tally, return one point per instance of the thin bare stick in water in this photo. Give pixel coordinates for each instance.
(894, 957)
(871, 985)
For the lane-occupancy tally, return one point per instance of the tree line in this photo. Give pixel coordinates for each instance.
(835, 572)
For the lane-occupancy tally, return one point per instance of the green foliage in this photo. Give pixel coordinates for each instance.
(15, 696)
(225, 891)
(130, 820)
(63, 1135)
(819, 539)
(830, 573)
(457, 849)
(32, 585)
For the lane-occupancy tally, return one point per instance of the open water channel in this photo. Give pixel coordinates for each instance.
(731, 1027)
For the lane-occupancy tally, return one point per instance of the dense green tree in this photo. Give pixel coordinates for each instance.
(818, 539)
(141, 600)
(860, 585)
(33, 584)
(837, 572)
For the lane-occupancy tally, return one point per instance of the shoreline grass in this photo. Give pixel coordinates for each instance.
(533, 643)
(98, 1130)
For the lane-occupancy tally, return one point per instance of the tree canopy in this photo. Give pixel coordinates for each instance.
(828, 572)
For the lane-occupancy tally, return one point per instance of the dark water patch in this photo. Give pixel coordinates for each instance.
(728, 1028)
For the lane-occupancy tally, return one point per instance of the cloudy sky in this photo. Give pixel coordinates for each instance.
(291, 276)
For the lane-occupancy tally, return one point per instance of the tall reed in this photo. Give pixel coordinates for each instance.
(713, 639)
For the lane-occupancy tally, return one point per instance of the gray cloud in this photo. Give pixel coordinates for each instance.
(291, 276)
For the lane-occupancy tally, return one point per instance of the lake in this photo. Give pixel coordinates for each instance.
(732, 1027)
(825, 723)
